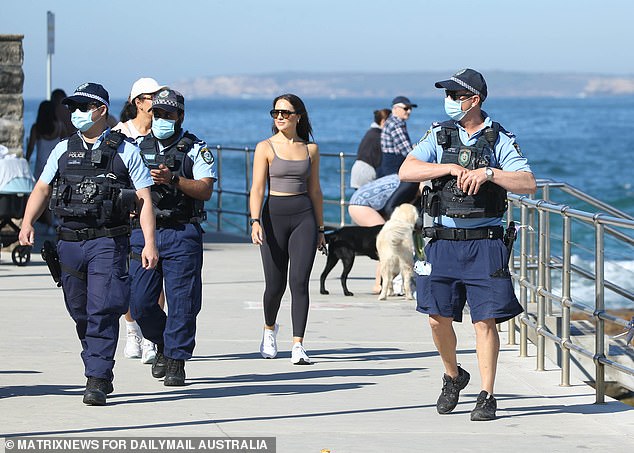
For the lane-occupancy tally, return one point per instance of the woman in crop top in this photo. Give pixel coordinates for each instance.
(288, 226)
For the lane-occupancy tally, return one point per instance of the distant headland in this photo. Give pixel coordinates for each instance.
(417, 84)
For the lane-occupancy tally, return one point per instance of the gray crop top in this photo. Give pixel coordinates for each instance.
(288, 176)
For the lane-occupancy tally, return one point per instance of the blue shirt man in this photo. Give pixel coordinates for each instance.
(183, 172)
(467, 258)
(93, 171)
(395, 141)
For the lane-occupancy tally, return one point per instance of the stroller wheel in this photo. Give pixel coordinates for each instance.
(21, 255)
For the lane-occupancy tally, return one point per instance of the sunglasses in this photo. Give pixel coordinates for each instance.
(82, 107)
(285, 113)
(458, 96)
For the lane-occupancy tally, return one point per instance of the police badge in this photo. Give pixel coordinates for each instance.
(206, 155)
(464, 157)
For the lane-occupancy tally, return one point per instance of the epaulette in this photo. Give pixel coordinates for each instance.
(507, 133)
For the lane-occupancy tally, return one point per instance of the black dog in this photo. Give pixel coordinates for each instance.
(344, 244)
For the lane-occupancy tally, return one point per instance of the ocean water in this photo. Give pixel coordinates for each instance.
(584, 142)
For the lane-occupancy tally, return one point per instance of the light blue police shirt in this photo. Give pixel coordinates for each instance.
(128, 152)
(506, 156)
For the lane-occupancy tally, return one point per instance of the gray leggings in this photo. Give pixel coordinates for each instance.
(290, 234)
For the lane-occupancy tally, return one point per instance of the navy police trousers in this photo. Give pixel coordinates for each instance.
(97, 299)
(180, 264)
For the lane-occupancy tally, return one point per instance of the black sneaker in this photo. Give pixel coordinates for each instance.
(448, 398)
(96, 391)
(174, 373)
(485, 408)
(158, 367)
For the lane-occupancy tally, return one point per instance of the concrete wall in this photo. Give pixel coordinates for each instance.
(11, 101)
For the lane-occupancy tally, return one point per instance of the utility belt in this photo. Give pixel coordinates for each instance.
(464, 234)
(86, 234)
(165, 222)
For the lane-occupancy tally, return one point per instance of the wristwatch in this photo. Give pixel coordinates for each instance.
(489, 172)
(252, 221)
(174, 180)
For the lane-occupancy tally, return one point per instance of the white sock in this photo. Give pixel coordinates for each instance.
(133, 327)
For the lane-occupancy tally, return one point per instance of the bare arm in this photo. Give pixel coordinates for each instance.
(34, 209)
(258, 186)
(149, 254)
(315, 193)
(414, 170)
(199, 189)
(521, 182)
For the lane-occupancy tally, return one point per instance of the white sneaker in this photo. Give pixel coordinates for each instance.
(149, 351)
(132, 348)
(397, 285)
(268, 347)
(299, 356)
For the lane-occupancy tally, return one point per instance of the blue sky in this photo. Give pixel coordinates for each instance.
(115, 41)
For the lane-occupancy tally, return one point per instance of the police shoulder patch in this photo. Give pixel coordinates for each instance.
(517, 148)
(425, 136)
(206, 155)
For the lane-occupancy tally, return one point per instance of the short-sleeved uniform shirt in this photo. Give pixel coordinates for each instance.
(507, 156)
(127, 164)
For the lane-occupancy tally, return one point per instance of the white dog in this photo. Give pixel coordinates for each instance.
(395, 245)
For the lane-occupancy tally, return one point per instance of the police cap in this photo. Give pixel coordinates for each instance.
(88, 92)
(465, 79)
(168, 100)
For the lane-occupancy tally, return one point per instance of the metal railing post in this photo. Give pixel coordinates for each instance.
(523, 280)
(599, 308)
(511, 322)
(541, 299)
(565, 301)
(547, 245)
(247, 188)
(219, 198)
(342, 189)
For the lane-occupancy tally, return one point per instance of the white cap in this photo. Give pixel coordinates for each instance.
(145, 85)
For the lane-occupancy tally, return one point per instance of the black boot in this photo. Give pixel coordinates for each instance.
(158, 367)
(96, 391)
(175, 373)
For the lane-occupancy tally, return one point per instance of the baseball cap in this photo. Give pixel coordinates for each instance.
(145, 85)
(465, 79)
(403, 100)
(88, 92)
(168, 100)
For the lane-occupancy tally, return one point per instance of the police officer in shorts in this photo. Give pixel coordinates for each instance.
(182, 168)
(471, 161)
(93, 180)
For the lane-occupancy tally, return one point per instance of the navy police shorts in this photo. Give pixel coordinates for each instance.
(473, 272)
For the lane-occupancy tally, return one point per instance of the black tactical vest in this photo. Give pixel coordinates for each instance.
(170, 204)
(87, 192)
(445, 198)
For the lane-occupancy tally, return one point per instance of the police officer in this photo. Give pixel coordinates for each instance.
(471, 162)
(93, 180)
(182, 168)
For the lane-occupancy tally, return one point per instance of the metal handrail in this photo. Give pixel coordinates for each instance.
(546, 263)
(535, 259)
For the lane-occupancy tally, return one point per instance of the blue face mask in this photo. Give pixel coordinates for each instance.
(82, 120)
(162, 128)
(454, 109)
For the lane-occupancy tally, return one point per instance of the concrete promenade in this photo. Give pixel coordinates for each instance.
(373, 386)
